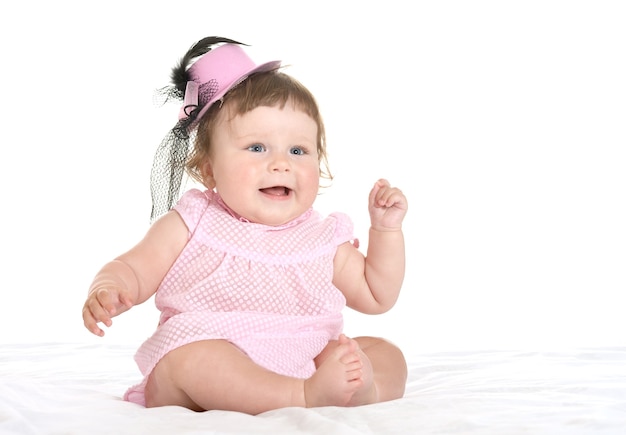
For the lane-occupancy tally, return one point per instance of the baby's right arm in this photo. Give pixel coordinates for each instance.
(134, 276)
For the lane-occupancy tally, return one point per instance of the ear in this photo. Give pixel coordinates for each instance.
(207, 174)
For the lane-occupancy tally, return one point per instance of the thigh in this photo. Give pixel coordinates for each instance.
(215, 374)
(184, 371)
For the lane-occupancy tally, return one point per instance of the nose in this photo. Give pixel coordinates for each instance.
(280, 163)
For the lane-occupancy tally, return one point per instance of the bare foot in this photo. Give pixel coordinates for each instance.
(338, 377)
(367, 393)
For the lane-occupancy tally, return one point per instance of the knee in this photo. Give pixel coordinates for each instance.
(389, 363)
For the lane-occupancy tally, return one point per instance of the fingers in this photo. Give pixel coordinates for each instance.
(90, 322)
(100, 307)
(383, 195)
(387, 206)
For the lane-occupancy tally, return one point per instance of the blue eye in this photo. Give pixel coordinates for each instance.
(298, 151)
(257, 148)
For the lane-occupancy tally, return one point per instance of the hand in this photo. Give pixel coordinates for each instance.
(387, 207)
(103, 303)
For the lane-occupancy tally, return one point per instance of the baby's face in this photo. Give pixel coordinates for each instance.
(265, 164)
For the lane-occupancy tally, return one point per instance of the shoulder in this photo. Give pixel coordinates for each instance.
(344, 227)
(192, 205)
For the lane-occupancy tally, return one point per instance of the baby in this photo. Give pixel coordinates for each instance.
(250, 280)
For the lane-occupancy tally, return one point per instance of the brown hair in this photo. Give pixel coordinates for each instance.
(270, 89)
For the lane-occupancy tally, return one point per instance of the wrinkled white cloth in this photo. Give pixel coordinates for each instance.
(77, 389)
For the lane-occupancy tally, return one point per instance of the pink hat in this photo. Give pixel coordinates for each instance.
(214, 74)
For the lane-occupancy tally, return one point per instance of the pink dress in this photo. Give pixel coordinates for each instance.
(266, 289)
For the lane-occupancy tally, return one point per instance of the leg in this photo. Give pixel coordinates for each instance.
(383, 374)
(214, 374)
(388, 365)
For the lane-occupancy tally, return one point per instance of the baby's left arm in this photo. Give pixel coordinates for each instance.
(371, 284)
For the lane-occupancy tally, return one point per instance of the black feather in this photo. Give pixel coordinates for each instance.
(180, 74)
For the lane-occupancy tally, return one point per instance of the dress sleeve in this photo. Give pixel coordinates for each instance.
(344, 229)
(191, 206)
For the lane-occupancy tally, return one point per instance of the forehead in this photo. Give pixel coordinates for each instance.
(230, 117)
(233, 107)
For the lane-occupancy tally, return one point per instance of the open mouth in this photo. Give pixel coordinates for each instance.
(276, 191)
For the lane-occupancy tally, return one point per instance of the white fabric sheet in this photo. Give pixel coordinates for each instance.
(64, 388)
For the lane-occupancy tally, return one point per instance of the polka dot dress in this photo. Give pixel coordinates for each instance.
(266, 289)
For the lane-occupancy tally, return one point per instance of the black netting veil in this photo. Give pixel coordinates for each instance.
(168, 168)
(171, 156)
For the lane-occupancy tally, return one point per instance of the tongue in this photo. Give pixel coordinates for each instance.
(277, 191)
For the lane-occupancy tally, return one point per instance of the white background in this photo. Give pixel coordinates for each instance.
(503, 122)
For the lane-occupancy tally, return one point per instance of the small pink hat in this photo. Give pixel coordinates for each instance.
(214, 74)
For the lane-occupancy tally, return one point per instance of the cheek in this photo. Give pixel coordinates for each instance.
(234, 176)
(312, 178)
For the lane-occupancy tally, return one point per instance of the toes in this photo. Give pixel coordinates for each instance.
(350, 357)
(348, 343)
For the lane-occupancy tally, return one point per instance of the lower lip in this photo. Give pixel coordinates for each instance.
(276, 197)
